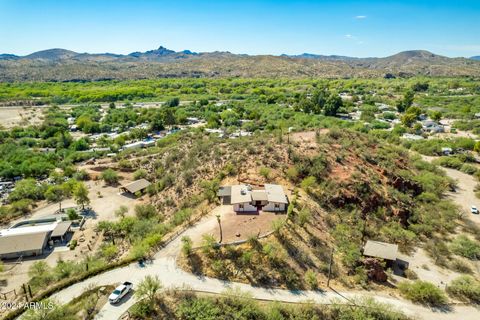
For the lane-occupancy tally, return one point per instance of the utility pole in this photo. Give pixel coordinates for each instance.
(330, 269)
(220, 226)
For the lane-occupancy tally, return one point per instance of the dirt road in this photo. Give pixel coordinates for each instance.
(464, 196)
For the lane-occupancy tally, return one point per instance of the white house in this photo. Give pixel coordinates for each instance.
(246, 199)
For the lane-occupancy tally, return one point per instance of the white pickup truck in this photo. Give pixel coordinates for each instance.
(120, 292)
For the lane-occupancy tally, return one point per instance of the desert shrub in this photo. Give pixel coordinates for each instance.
(109, 176)
(304, 216)
(181, 216)
(460, 266)
(140, 174)
(109, 251)
(308, 183)
(186, 245)
(438, 250)
(145, 211)
(81, 175)
(292, 174)
(465, 247)
(410, 274)
(125, 164)
(311, 279)
(265, 172)
(422, 292)
(468, 168)
(121, 211)
(465, 288)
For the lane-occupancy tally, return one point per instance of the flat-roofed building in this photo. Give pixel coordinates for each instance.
(246, 199)
(23, 244)
(381, 250)
(135, 186)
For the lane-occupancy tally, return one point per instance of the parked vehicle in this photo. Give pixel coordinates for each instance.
(120, 292)
(474, 210)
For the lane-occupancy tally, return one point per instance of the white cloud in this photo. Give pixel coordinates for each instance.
(351, 37)
(360, 17)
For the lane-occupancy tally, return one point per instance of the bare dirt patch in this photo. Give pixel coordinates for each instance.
(19, 116)
(237, 227)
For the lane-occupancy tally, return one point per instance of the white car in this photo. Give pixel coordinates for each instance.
(120, 292)
(474, 210)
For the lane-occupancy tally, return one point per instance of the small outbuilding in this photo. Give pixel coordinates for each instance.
(381, 250)
(135, 186)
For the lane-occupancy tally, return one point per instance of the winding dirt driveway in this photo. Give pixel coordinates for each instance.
(464, 195)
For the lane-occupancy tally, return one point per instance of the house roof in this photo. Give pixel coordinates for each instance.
(244, 193)
(23, 242)
(259, 195)
(136, 185)
(225, 191)
(61, 228)
(241, 194)
(275, 193)
(28, 229)
(381, 250)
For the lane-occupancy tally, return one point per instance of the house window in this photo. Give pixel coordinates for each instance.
(277, 206)
(240, 206)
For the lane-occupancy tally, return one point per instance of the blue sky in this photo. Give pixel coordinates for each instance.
(354, 28)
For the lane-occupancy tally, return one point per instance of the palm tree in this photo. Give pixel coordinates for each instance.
(148, 289)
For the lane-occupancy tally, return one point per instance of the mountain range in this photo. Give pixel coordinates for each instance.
(66, 65)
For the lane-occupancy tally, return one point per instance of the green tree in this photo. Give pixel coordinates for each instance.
(174, 102)
(436, 116)
(80, 195)
(54, 193)
(210, 189)
(333, 103)
(168, 117)
(408, 119)
(187, 245)
(26, 189)
(406, 102)
(148, 289)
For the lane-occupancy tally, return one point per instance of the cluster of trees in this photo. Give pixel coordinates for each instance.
(27, 191)
(321, 101)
